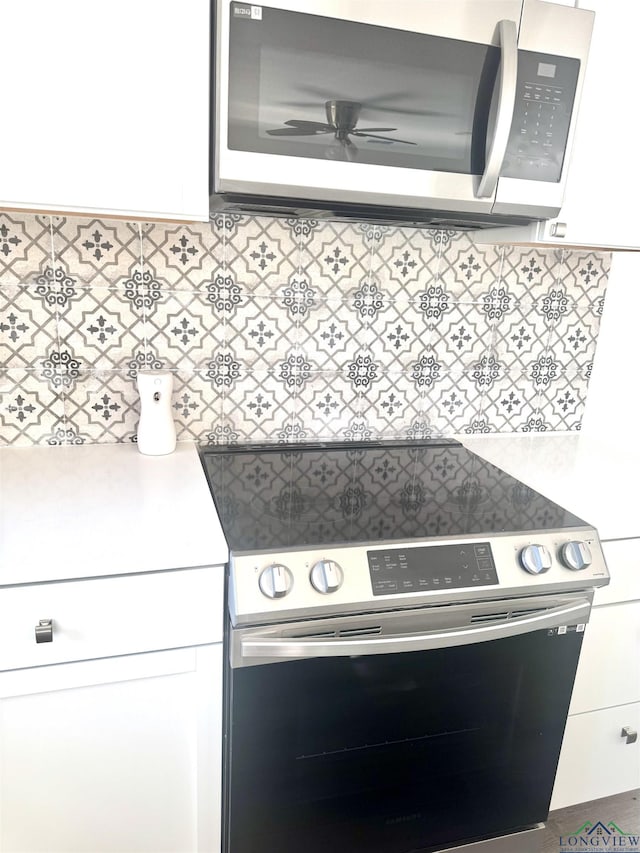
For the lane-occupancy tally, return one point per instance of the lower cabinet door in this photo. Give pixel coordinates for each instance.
(596, 760)
(112, 755)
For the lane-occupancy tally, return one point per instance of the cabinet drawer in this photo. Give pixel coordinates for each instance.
(595, 760)
(608, 672)
(101, 617)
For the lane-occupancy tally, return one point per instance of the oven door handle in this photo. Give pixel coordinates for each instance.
(279, 648)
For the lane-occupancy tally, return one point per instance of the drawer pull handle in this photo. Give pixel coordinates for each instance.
(44, 631)
(630, 734)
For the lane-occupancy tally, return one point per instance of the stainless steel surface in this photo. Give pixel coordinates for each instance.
(506, 96)
(249, 606)
(576, 555)
(564, 31)
(559, 229)
(44, 631)
(535, 559)
(247, 181)
(630, 734)
(409, 630)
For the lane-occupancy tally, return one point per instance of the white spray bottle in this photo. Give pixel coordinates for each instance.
(156, 430)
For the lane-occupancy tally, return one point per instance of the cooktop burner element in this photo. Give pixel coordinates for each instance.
(329, 528)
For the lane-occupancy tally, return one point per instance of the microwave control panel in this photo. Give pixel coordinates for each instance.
(545, 93)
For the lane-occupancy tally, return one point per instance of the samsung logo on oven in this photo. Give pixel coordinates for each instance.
(405, 818)
(252, 12)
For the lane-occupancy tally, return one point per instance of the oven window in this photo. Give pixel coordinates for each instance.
(313, 86)
(396, 753)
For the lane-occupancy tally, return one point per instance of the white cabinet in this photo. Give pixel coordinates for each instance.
(596, 760)
(111, 732)
(600, 205)
(106, 107)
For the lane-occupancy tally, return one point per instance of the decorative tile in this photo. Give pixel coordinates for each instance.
(196, 406)
(287, 329)
(562, 403)
(510, 402)
(402, 333)
(183, 330)
(96, 252)
(26, 327)
(328, 405)
(462, 336)
(55, 287)
(530, 272)
(100, 329)
(554, 303)
(30, 412)
(103, 406)
(392, 405)
(259, 331)
(337, 257)
(467, 270)
(406, 262)
(262, 255)
(572, 341)
(449, 402)
(333, 333)
(258, 407)
(520, 337)
(180, 256)
(586, 274)
(25, 247)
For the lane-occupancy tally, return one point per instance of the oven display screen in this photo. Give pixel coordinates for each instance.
(434, 567)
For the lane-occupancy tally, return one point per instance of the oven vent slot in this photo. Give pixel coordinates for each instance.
(318, 635)
(516, 613)
(360, 632)
(490, 617)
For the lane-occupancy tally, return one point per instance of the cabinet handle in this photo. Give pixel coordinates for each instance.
(44, 631)
(630, 734)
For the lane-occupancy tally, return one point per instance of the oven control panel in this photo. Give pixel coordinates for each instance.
(267, 587)
(433, 567)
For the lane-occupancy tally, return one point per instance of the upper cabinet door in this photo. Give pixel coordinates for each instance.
(601, 195)
(106, 107)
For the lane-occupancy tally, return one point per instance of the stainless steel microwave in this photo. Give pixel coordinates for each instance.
(453, 113)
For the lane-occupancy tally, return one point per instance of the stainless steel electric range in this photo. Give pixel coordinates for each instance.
(404, 626)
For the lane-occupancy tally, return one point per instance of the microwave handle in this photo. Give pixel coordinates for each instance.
(506, 83)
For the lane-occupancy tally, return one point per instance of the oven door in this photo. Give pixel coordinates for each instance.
(370, 748)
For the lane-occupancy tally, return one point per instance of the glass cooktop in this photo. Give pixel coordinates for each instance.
(305, 495)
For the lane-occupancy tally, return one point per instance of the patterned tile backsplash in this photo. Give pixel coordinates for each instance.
(288, 329)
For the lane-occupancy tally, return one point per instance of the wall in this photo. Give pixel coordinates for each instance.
(280, 329)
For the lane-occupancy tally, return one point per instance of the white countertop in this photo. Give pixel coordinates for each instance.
(595, 477)
(103, 509)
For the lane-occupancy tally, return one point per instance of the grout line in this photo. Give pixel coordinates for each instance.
(62, 396)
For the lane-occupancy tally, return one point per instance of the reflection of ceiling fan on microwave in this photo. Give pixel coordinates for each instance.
(342, 120)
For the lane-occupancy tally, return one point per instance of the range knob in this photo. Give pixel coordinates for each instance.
(326, 576)
(275, 581)
(575, 555)
(536, 559)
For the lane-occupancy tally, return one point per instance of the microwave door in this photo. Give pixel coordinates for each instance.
(311, 106)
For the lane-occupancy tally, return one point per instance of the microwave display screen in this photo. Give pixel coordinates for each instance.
(545, 69)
